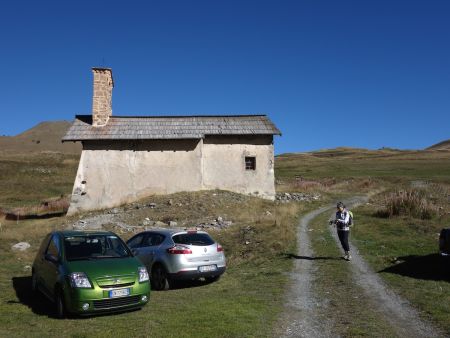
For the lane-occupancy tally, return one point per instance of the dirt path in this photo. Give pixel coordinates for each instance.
(301, 317)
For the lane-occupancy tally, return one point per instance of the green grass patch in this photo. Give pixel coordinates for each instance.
(29, 179)
(404, 250)
(245, 302)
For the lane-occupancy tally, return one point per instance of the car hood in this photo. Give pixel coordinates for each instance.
(102, 267)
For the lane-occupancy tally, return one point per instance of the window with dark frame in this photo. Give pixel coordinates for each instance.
(250, 163)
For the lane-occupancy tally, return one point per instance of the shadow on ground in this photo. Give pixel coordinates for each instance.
(429, 267)
(186, 284)
(309, 258)
(35, 301)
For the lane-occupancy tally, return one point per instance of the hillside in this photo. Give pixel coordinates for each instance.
(347, 163)
(441, 145)
(46, 136)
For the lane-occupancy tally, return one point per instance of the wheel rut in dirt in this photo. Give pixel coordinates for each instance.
(300, 318)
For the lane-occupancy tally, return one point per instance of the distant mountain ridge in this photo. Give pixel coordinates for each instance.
(441, 145)
(45, 136)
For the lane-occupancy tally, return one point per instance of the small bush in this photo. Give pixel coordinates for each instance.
(411, 202)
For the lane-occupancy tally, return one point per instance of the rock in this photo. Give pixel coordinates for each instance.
(114, 211)
(160, 224)
(296, 196)
(219, 219)
(27, 267)
(173, 224)
(21, 246)
(125, 227)
(170, 202)
(147, 222)
(152, 205)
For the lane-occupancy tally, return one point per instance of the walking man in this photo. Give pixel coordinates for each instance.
(343, 229)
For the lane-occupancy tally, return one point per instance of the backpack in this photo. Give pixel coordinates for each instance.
(350, 218)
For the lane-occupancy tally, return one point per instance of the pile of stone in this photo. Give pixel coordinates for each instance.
(158, 224)
(286, 197)
(218, 223)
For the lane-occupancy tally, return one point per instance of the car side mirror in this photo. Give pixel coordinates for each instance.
(51, 258)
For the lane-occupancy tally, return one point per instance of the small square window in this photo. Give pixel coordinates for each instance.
(250, 163)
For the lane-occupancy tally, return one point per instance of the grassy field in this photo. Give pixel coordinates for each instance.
(29, 179)
(245, 302)
(401, 248)
(248, 299)
(344, 164)
(404, 251)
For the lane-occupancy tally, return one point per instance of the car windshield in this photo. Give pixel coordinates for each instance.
(94, 247)
(200, 239)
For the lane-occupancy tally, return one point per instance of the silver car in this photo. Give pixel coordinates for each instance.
(171, 255)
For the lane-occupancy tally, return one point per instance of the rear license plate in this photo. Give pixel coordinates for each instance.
(207, 268)
(119, 293)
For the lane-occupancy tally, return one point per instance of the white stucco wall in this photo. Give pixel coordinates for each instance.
(114, 173)
(224, 165)
(107, 178)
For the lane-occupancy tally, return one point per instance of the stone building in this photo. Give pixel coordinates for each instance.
(125, 158)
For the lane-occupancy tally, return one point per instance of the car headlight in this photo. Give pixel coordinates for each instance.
(143, 274)
(79, 280)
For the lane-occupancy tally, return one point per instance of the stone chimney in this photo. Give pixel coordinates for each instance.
(102, 97)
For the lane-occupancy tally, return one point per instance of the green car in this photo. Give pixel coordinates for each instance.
(88, 272)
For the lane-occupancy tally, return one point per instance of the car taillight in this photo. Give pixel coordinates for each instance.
(179, 250)
(219, 248)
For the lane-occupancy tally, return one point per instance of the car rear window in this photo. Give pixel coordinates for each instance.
(193, 239)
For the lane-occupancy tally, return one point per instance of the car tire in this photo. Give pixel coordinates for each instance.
(34, 282)
(159, 278)
(59, 304)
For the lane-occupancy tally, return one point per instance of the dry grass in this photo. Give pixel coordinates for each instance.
(261, 233)
(49, 207)
(423, 203)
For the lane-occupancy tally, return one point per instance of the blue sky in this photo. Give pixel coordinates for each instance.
(328, 73)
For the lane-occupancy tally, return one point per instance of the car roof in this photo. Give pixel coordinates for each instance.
(171, 231)
(66, 233)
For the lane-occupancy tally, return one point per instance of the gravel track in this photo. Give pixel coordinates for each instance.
(301, 317)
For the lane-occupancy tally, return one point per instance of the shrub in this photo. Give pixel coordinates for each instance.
(410, 202)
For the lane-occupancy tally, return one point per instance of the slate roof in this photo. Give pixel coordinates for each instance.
(169, 127)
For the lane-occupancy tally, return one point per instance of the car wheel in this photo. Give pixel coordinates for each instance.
(59, 300)
(34, 286)
(159, 279)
